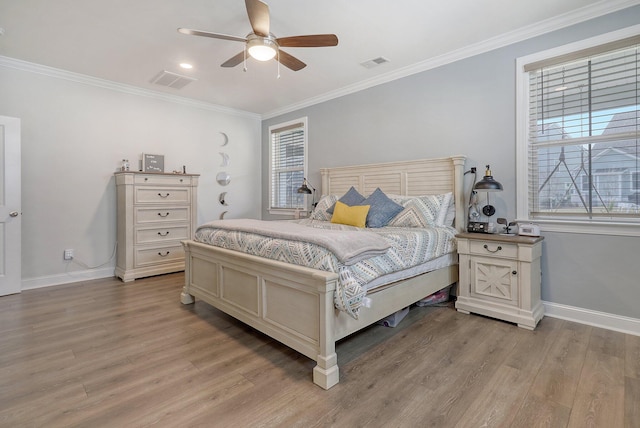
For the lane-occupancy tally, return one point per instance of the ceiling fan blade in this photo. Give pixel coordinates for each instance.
(258, 12)
(212, 35)
(312, 41)
(290, 61)
(234, 60)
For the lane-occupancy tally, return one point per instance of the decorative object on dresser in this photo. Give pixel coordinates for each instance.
(155, 212)
(152, 163)
(500, 277)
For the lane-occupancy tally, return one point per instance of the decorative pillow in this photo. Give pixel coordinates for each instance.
(352, 216)
(421, 211)
(320, 211)
(382, 209)
(351, 198)
(450, 214)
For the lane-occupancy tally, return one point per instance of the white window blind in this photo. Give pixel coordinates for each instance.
(287, 164)
(583, 140)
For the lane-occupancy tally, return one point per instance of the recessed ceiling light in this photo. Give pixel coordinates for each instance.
(186, 65)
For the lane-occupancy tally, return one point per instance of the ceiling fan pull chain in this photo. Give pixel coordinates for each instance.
(245, 59)
(278, 52)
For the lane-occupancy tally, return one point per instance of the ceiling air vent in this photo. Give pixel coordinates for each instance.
(374, 62)
(172, 80)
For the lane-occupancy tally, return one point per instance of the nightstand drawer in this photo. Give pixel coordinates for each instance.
(159, 195)
(161, 215)
(493, 249)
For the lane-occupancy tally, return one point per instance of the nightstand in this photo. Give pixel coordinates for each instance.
(500, 277)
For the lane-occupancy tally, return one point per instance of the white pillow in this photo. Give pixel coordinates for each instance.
(424, 211)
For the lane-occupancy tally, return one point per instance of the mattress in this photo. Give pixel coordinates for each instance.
(411, 251)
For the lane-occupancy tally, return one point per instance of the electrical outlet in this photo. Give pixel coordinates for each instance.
(68, 254)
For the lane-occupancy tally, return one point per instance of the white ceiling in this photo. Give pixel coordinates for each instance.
(130, 41)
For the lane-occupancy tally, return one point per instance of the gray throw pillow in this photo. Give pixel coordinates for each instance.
(382, 209)
(351, 198)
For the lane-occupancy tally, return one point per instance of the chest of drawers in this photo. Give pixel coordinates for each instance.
(155, 212)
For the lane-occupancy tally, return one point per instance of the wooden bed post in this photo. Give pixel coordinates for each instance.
(326, 373)
(185, 297)
(458, 192)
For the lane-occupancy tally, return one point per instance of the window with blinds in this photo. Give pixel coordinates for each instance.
(583, 142)
(288, 143)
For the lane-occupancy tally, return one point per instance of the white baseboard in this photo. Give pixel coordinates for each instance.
(67, 278)
(594, 318)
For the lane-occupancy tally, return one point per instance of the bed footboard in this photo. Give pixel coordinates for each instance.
(291, 304)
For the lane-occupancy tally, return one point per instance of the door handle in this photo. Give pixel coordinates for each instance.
(13, 214)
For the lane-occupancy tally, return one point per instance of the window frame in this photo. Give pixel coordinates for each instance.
(275, 128)
(622, 227)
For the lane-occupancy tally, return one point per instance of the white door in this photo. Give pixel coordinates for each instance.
(10, 214)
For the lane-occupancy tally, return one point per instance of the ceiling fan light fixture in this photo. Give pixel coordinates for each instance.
(262, 48)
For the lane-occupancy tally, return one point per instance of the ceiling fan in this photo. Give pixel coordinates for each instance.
(262, 45)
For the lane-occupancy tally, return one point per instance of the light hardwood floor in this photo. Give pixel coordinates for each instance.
(107, 354)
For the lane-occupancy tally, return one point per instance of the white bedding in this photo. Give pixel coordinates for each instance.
(409, 249)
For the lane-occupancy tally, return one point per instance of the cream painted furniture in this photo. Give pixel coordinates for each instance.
(294, 304)
(500, 277)
(156, 212)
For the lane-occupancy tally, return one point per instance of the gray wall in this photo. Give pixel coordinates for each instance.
(74, 136)
(468, 107)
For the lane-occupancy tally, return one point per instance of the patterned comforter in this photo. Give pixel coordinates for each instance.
(409, 247)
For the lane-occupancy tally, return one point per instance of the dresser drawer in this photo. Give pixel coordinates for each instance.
(161, 215)
(494, 249)
(145, 256)
(162, 234)
(163, 180)
(158, 195)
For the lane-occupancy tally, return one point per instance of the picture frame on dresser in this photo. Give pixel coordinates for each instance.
(152, 163)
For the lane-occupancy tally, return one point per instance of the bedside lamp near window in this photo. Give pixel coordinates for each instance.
(309, 190)
(487, 184)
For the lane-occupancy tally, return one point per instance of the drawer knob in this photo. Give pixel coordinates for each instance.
(164, 196)
(163, 255)
(486, 247)
(514, 272)
(146, 179)
(166, 215)
(163, 234)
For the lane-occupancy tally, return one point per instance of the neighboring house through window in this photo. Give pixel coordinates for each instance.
(579, 135)
(288, 165)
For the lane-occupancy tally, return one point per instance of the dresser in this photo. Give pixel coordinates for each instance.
(500, 277)
(155, 212)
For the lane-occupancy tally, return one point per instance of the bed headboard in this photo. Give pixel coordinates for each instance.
(410, 178)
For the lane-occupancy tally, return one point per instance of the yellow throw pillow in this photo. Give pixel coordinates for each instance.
(353, 216)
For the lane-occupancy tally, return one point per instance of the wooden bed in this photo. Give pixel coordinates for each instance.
(294, 304)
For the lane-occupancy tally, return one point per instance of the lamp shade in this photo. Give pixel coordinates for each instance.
(304, 188)
(488, 184)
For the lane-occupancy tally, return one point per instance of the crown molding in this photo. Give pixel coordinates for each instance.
(577, 16)
(57, 73)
